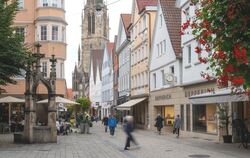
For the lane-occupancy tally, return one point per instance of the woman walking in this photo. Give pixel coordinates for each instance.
(159, 123)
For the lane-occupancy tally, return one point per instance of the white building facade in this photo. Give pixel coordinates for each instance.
(123, 51)
(166, 65)
(107, 81)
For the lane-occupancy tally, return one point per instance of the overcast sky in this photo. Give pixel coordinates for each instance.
(73, 17)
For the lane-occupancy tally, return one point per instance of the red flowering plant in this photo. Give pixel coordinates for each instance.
(222, 28)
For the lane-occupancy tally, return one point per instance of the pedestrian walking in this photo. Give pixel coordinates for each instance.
(159, 123)
(177, 125)
(105, 123)
(112, 122)
(128, 129)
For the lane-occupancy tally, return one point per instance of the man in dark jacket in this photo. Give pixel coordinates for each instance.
(105, 122)
(159, 123)
(128, 128)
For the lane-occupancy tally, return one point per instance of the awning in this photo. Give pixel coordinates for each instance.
(59, 100)
(10, 99)
(219, 96)
(129, 104)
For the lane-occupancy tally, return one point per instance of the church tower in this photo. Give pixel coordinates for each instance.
(95, 30)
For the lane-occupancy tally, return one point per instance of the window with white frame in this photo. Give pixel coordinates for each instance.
(142, 52)
(165, 47)
(54, 3)
(54, 33)
(161, 48)
(135, 85)
(45, 3)
(187, 13)
(198, 54)
(43, 33)
(44, 69)
(189, 54)
(132, 59)
(158, 49)
(161, 20)
(62, 71)
(63, 34)
(163, 77)
(20, 4)
(139, 80)
(172, 69)
(144, 22)
(146, 51)
(154, 80)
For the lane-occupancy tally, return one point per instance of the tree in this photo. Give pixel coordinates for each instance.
(222, 28)
(84, 103)
(13, 53)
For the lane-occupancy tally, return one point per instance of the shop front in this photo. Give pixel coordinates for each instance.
(166, 102)
(137, 107)
(205, 116)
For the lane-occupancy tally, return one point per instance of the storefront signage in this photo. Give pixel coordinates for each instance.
(163, 97)
(197, 92)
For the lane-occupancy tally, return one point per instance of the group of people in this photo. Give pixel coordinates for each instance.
(128, 127)
(63, 128)
(176, 127)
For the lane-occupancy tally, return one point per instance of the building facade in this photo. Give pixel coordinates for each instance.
(107, 81)
(141, 29)
(123, 52)
(166, 93)
(43, 22)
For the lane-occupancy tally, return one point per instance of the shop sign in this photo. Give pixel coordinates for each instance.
(163, 97)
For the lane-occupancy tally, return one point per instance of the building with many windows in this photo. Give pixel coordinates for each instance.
(107, 81)
(42, 21)
(123, 52)
(166, 93)
(141, 30)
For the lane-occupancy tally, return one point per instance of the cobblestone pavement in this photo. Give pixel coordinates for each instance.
(100, 145)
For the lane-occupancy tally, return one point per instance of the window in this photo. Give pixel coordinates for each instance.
(139, 80)
(21, 31)
(142, 52)
(54, 33)
(63, 34)
(43, 33)
(198, 54)
(62, 70)
(154, 78)
(45, 3)
(44, 69)
(161, 20)
(62, 3)
(163, 77)
(144, 22)
(158, 49)
(161, 48)
(165, 46)
(187, 13)
(20, 4)
(54, 3)
(172, 69)
(189, 54)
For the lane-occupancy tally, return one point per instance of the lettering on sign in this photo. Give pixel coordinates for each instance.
(163, 97)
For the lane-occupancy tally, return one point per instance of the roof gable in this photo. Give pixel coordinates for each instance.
(172, 18)
(126, 19)
(143, 3)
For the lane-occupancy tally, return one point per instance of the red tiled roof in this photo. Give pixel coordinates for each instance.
(172, 16)
(126, 18)
(143, 3)
(96, 61)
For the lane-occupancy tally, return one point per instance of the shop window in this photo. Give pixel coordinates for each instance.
(182, 117)
(204, 118)
(188, 122)
(169, 116)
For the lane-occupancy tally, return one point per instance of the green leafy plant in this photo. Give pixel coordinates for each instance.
(222, 29)
(224, 117)
(84, 103)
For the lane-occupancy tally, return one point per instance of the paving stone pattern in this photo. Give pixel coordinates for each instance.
(99, 144)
